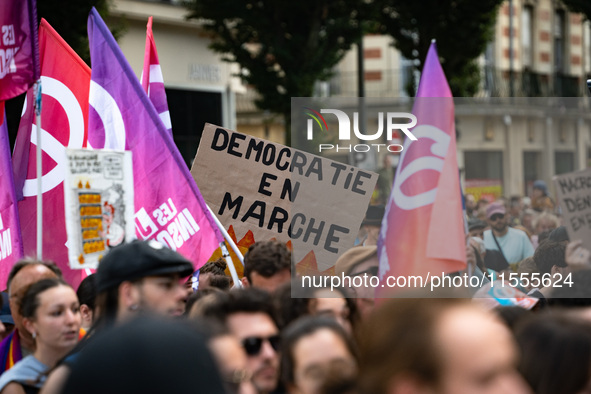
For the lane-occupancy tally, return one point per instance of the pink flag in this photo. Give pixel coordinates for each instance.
(168, 204)
(152, 80)
(11, 247)
(66, 79)
(19, 52)
(423, 230)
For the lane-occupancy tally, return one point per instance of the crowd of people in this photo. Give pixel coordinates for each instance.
(138, 325)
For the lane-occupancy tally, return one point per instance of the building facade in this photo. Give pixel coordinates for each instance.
(200, 87)
(539, 50)
(504, 146)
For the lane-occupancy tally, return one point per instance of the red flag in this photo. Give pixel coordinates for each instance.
(423, 230)
(65, 79)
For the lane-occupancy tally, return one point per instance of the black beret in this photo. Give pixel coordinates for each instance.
(139, 259)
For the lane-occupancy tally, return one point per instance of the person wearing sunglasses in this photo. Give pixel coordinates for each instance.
(514, 244)
(229, 355)
(250, 317)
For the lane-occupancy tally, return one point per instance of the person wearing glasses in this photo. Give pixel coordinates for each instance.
(228, 354)
(250, 316)
(514, 244)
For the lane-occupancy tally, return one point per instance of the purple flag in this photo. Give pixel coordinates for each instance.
(11, 247)
(168, 204)
(19, 50)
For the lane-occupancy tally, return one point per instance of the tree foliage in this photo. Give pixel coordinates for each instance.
(462, 29)
(282, 46)
(69, 19)
(582, 6)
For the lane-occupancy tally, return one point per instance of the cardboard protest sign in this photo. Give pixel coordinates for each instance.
(98, 194)
(282, 193)
(574, 194)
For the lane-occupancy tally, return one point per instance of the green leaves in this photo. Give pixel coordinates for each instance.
(286, 46)
(462, 29)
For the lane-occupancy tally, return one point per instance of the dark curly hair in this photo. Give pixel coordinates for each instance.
(266, 258)
(216, 267)
(249, 300)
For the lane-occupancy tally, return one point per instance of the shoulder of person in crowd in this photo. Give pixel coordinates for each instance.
(543, 203)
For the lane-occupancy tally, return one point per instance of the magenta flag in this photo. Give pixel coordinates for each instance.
(19, 52)
(152, 80)
(423, 227)
(66, 79)
(168, 204)
(11, 247)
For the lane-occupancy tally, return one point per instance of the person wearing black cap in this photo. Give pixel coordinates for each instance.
(134, 278)
(143, 276)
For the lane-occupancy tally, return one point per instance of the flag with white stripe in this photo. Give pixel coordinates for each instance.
(152, 80)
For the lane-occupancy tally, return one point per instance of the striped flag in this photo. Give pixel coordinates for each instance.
(152, 80)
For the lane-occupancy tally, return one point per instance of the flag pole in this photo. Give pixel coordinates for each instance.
(39, 171)
(465, 215)
(225, 251)
(227, 236)
(230, 263)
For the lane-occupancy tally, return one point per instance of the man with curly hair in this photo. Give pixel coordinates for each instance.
(267, 265)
